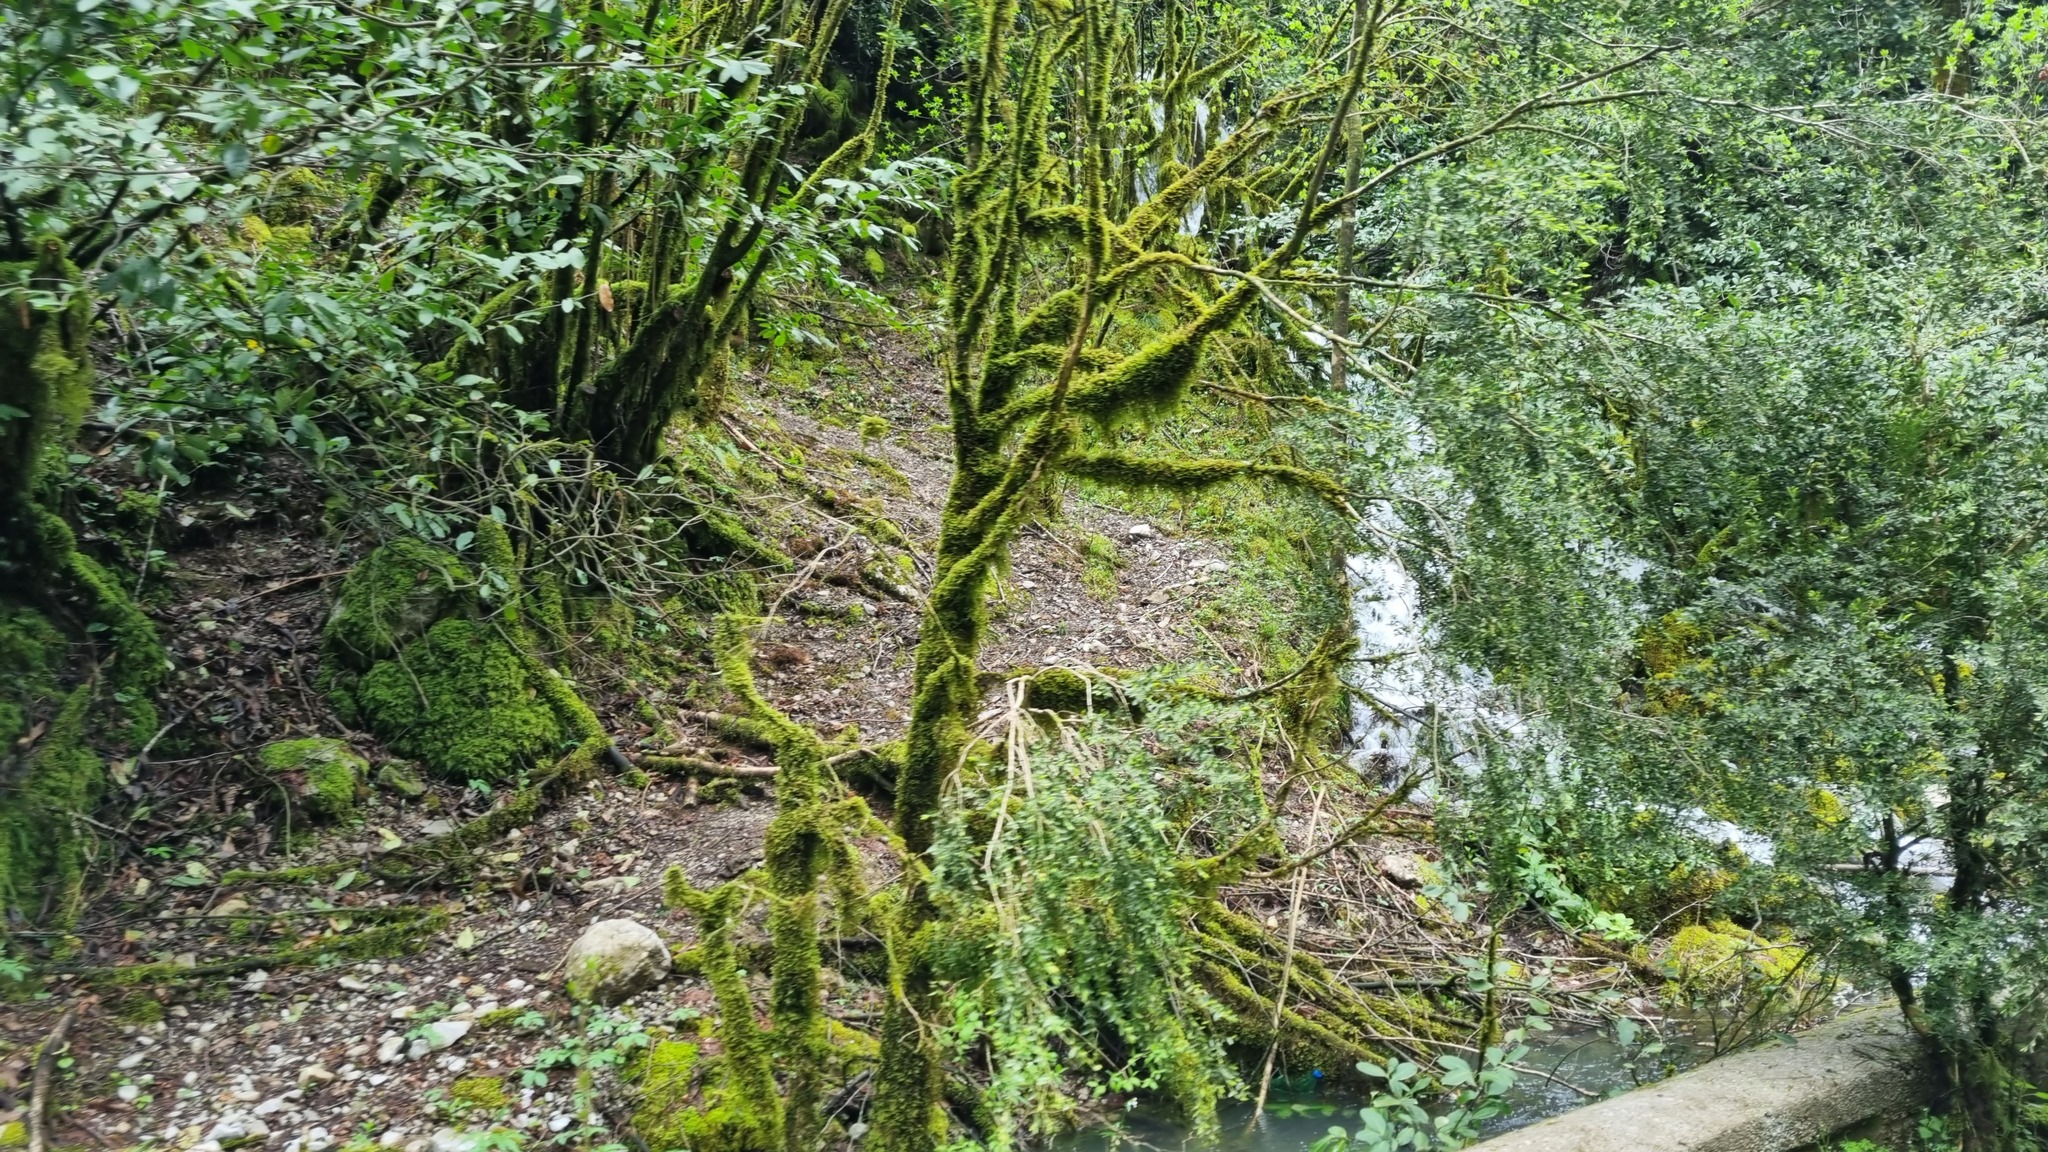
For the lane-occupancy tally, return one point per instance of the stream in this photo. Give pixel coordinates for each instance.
(1299, 1112)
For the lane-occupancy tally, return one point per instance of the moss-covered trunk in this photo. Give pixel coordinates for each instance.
(51, 773)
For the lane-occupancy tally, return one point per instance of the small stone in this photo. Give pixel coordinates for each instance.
(236, 1127)
(129, 1061)
(1141, 531)
(1402, 868)
(434, 828)
(255, 981)
(421, 1145)
(856, 1130)
(128, 1093)
(391, 1139)
(246, 1095)
(351, 984)
(613, 960)
(560, 1121)
(314, 1074)
(270, 1107)
(442, 1033)
(401, 777)
(418, 1048)
(318, 1140)
(391, 1050)
(232, 906)
(449, 1140)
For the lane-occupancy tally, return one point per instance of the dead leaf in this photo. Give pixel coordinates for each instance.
(604, 294)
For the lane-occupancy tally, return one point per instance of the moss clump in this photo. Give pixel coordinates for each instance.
(1098, 574)
(667, 1079)
(485, 1093)
(1722, 957)
(402, 778)
(136, 1008)
(499, 1017)
(324, 773)
(13, 1134)
(460, 701)
(393, 597)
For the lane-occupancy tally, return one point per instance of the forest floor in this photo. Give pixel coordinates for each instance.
(312, 1056)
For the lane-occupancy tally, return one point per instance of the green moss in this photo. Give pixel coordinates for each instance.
(29, 653)
(498, 1017)
(13, 1134)
(137, 1008)
(485, 1093)
(461, 701)
(1098, 574)
(326, 774)
(667, 1082)
(41, 854)
(390, 599)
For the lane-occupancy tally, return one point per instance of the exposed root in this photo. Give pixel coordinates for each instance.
(401, 938)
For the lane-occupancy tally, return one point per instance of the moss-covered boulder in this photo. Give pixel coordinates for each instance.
(391, 599)
(324, 776)
(462, 702)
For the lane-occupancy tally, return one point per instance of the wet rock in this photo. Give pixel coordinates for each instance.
(613, 960)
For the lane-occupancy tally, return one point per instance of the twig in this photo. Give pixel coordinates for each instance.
(293, 583)
(46, 1068)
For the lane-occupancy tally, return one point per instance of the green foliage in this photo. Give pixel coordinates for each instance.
(1069, 902)
(1396, 1118)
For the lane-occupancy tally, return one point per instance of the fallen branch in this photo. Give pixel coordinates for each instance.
(695, 767)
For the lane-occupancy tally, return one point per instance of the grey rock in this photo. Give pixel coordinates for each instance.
(449, 1140)
(441, 1033)
(1402, 868)
(437, 828)
(614, 960)
(391, 1050)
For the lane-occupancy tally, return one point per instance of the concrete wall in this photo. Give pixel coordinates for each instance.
(1862, 1067)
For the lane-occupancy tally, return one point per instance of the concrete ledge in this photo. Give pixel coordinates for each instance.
(1864, 1066)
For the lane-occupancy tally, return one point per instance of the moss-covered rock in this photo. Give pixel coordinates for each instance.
(1722, 957)
(401, 778)
(460, 701)
(391, 599)
(485, 1093)
(324, 775)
